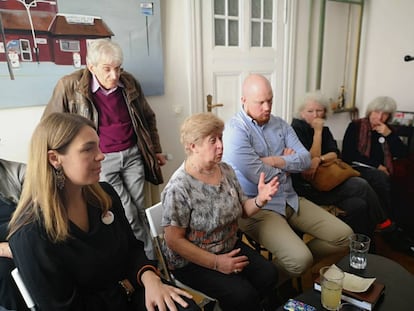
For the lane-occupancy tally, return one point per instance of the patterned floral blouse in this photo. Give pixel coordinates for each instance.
(208, 212)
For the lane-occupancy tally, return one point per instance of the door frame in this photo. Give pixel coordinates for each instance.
(197, 102)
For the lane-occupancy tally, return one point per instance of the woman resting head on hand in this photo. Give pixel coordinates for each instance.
(360, 205)
(69, 236)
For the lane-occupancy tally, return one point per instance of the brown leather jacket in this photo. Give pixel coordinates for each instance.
(72, 94)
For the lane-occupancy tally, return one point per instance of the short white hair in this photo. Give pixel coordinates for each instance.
(384, 104)
(104, 49)
(315, 96)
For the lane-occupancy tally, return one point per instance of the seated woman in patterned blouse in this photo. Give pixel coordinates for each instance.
(202, 204)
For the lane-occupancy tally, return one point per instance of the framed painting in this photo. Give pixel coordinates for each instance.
(43, 40)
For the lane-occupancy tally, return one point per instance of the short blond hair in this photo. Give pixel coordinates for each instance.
(199, 126)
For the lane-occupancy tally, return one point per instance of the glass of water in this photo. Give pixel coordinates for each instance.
(359, 246)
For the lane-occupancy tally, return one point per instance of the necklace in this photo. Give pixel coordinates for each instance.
(201, 170)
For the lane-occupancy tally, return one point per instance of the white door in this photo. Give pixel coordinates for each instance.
(242, 37)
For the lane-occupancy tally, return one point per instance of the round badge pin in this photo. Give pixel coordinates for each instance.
(108, 218)
(381, 140)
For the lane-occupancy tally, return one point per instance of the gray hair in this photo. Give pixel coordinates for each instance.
(104, 49)
(315, 96)
(382, 103)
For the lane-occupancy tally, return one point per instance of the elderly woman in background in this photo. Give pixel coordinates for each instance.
(202, 203)
(370, 145)
(363, 211)
(69, 235)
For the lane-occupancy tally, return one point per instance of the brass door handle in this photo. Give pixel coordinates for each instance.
(210, 105)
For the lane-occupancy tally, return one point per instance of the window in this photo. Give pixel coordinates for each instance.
(26, 55)
(227, 27)
(226, 22)
(261, 23)
(69, 45)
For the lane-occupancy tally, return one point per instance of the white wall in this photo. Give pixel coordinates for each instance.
(172, 108)
(387, 36)
(16, 127)
(302, 40)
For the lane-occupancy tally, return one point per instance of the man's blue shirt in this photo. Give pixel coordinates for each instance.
(245, 142)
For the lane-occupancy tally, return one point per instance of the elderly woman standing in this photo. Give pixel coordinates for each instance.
(203, 202)
(370, 145)
(363, 211)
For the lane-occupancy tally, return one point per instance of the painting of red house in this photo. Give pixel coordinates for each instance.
(34, 31)
(43, 40)
(70, 33)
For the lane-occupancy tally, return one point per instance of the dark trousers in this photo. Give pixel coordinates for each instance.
(358, 199)
(242, 291)
(380, 182)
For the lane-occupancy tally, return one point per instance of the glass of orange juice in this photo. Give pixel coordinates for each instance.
(331, 286)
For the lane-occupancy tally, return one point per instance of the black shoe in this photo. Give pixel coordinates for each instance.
(400, 241)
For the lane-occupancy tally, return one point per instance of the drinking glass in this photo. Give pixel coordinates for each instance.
(331, 286)
(359, 246)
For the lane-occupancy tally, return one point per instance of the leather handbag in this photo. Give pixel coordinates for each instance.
(331, 174)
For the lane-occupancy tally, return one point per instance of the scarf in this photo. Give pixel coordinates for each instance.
(364, 143)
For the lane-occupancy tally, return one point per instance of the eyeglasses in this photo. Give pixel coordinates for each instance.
(317, 111)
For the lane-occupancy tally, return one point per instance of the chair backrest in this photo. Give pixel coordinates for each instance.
(23, 289)
(154, 216)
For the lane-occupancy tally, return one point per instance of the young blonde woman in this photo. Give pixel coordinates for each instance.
(69, 236)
